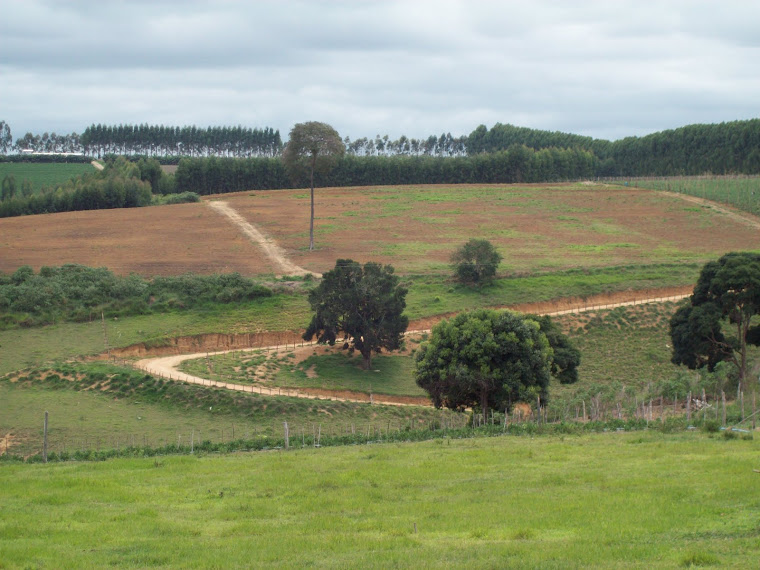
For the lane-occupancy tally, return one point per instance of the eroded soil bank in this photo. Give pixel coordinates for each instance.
(213, 342)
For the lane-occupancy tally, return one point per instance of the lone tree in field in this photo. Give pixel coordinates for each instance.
(313, 148)
(493, 359)
(717, 324)
(475, 263)
(364, 304)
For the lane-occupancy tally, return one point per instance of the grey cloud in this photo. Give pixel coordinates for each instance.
(606, 69)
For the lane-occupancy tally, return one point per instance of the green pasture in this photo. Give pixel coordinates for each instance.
(100, 406)
(612, 500)
(23, 347)
(390, 373)
(741, 192)
(43, 174)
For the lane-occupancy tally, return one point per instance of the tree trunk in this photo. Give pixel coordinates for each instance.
(367, 360)
(311, 218)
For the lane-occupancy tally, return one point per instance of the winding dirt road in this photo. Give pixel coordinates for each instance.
(166, 366)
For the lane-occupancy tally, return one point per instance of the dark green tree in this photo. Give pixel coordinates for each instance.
(8, 187)
(6, 138)
(720, 319)
(490, 359)
(364, 304)
(566, 357)
(313, 148)
(475, 263)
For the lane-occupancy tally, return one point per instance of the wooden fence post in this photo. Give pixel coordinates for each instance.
(723, 399)
(44, 438)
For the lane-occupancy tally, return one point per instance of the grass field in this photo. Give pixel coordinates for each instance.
(99, 406)
(742, 192)
(614, 500)
(43, 174)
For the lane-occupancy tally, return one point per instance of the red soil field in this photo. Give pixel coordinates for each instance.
(536, 227)
(160, 240)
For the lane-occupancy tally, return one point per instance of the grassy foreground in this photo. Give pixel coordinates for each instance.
(615, 500)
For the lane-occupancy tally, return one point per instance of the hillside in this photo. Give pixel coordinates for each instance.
(539, 228)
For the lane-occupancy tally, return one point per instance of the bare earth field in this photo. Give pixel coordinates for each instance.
(536, 228)
(160, 240)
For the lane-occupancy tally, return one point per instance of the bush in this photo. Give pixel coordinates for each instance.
(182, 198)
(77, 293)
(475, 263)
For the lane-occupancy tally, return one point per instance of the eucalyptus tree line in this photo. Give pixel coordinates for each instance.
(161, 140)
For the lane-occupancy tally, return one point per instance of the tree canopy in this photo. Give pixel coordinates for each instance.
(313, 147)
(719, 321)
(475, 263)
(365, 304)
(493, 359)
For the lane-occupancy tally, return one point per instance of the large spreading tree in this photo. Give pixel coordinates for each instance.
(313, 148)
(493, 359)
(720, 320)
(363, 304)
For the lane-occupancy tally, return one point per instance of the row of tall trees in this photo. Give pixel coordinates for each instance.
(444, 145)
(160, 140)
(517, 164)
(725, 148)
(49, 142)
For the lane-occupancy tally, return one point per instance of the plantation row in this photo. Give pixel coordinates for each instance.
(742, 192)
(518, 164)
(725, 148)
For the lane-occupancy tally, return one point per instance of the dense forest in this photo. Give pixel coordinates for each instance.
(517, 164)
(725, 148)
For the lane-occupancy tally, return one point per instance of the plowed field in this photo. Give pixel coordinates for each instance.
(160, 240)
(535, 227)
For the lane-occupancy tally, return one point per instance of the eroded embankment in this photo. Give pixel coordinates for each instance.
(214, 342)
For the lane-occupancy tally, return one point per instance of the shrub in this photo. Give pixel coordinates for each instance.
(475, 263)
(182, 198)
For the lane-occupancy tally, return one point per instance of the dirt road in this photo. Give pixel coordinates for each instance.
(735, 216)
(273, 251)
(166, 366)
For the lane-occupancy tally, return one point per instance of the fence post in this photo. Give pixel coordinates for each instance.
(45, 439)
(723, 399)
(287, 436)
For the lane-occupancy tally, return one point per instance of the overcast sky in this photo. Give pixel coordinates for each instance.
(606, 68)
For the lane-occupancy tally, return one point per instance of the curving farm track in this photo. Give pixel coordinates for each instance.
(166, 366)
